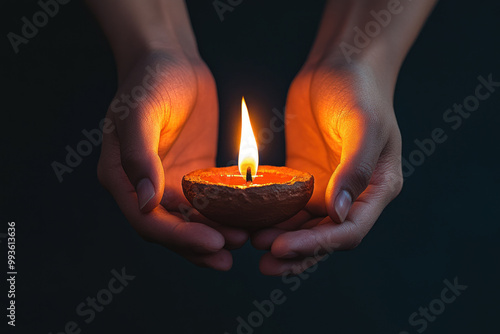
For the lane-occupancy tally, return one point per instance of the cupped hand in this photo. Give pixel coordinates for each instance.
(161, 125)
(340, 127)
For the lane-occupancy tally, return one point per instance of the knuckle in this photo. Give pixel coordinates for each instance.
(397, 185)
(389, 178)
(355, 236)
(130, 159)
(132, 156)
(393, 180)
(363, 174)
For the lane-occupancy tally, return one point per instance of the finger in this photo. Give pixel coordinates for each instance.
(161, 227)
(140, 113)
(362, 143)
(328, 236)
(221, 260)
(157, 226)
(139, 138)
(263, 239)
(272, 266)
(234, 237)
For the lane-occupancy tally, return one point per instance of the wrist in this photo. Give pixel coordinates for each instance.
(374, 33)
(136, 29)
(137, 51)
(373, 60)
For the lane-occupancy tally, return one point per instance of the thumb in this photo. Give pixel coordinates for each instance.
(139, 138)
(362, 143)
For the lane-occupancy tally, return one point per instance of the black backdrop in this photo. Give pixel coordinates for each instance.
(71, 235)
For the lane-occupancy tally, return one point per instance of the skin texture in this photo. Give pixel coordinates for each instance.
(340, 127)
(169, 132)
(349, 140)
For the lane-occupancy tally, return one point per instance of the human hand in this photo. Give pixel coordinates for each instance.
(165, 119)
(340, 127)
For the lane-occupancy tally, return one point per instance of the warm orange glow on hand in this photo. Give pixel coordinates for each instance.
(249, 154)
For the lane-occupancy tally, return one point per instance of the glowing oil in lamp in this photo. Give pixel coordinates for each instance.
(248, 195)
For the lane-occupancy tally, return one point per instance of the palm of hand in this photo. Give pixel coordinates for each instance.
(178, 115)
(341, 128)
(170, 132)
(195, 146)
(306, 147)
(319, 101)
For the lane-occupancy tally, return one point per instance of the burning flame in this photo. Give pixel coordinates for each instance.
(249, 154)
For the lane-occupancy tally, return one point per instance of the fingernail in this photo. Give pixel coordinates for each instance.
(343, 204)
(145, 192)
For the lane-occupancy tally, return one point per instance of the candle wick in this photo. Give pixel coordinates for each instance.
(249, 175)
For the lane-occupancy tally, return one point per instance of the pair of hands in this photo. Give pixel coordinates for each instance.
(340, 127)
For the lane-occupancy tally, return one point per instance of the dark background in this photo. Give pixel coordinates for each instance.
(70, 235)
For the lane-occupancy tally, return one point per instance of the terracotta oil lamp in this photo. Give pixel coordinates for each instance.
(248, 195)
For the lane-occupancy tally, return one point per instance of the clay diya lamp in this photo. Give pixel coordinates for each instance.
(248, 195)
